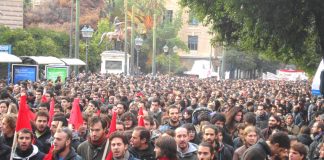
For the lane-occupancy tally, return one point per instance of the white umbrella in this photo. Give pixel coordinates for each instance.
(9, 58)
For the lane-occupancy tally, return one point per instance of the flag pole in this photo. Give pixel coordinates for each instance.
(106, 150)
(14, 145)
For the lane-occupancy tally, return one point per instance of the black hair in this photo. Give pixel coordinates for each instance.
(281, 138)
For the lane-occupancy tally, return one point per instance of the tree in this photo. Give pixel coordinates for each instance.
(291, 30)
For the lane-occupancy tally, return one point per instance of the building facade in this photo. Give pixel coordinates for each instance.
(195, 35)
(11, 13)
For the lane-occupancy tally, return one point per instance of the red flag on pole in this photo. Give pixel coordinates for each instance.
(44, 99)
(111, 130)
(140, 117)
(23, 121)
(76, 116)
(51, 112)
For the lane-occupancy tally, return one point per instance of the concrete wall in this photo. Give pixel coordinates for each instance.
(11, 13)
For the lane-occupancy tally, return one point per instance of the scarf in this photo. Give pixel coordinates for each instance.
(26, 153)
(99, 142)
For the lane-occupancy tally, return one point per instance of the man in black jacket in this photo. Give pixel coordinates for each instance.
(42, 132)
(25, 149)
(278, 144)
(141, 146)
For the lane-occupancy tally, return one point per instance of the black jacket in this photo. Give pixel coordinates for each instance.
(71, 156)
(43, 141)
(147, 154)
(259, 151)
(4, 151)
(224, 152)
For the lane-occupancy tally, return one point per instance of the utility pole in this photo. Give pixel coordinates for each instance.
(132, 44)
(71, 30)
(77, 15)
(125, 43)
(154, 46)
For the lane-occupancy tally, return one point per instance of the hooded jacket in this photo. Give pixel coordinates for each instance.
(259, 151)
(147, 154)
(43, 141)
(190, 154)
(90, 152)
(35, 155)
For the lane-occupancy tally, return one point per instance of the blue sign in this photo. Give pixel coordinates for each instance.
(7, 48)
(24, 72)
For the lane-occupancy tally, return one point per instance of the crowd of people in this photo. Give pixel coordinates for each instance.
(185, 118)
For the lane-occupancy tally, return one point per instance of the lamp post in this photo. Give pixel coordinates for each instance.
(174, 50)
(87, 34)
(138, 45)
(166, 50)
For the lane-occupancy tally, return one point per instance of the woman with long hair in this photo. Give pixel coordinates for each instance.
(165, 148)
(233, 117)
(251, 136)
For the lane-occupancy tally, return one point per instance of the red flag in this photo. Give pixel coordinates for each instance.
(49, 155)
(51, 112)
(141, 117)
(76, 115)
(44, 99)
(111, 130)
(23, 121)
(98, 112)
(31, 114)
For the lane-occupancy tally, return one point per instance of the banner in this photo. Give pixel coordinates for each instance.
(52, 72)
(24, 72)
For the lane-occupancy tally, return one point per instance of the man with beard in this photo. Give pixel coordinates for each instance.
(193, 103)
(261, 117)
(275, 148)
(141, 146)
(205, 151)
(274, 123)
(25, 149)
(317, 131)
(185, 149)
(209, 135)
(62, 145)
(118, 145)
(174, 122)
(60, 117)
(93, 148)
(42, 132)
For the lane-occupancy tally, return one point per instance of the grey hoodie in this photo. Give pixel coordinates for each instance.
(190, 154)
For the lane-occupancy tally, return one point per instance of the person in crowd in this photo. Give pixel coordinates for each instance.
(298, 151)
(291, 127)
(274, 123)
(239, 140)
(223, 150)
(25, 148)
(42, 132)
(187, 116)
(129, 120)
(278, 144)
(205, 151)
(119, 147)
(38, 98)
(318, 134)
(156, 109)
(4, 105)
(250, 137)
(185, 149)
(193, 136)
(219, 119)
(120, 126)
(63, 145)
(261, 117)
(121, 108)
(140, 144)
(165, 148)
(304, 136)
(233, 117)
(8, 129)
(148, 122)
(174, 121)
(93, 148)
(249, 119)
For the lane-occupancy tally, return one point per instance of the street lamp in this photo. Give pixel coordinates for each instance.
(87, 33)
(138, 45)
(166, 50)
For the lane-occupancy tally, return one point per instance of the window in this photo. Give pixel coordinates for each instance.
(168, 16)
(193, 42)
(193, 19)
